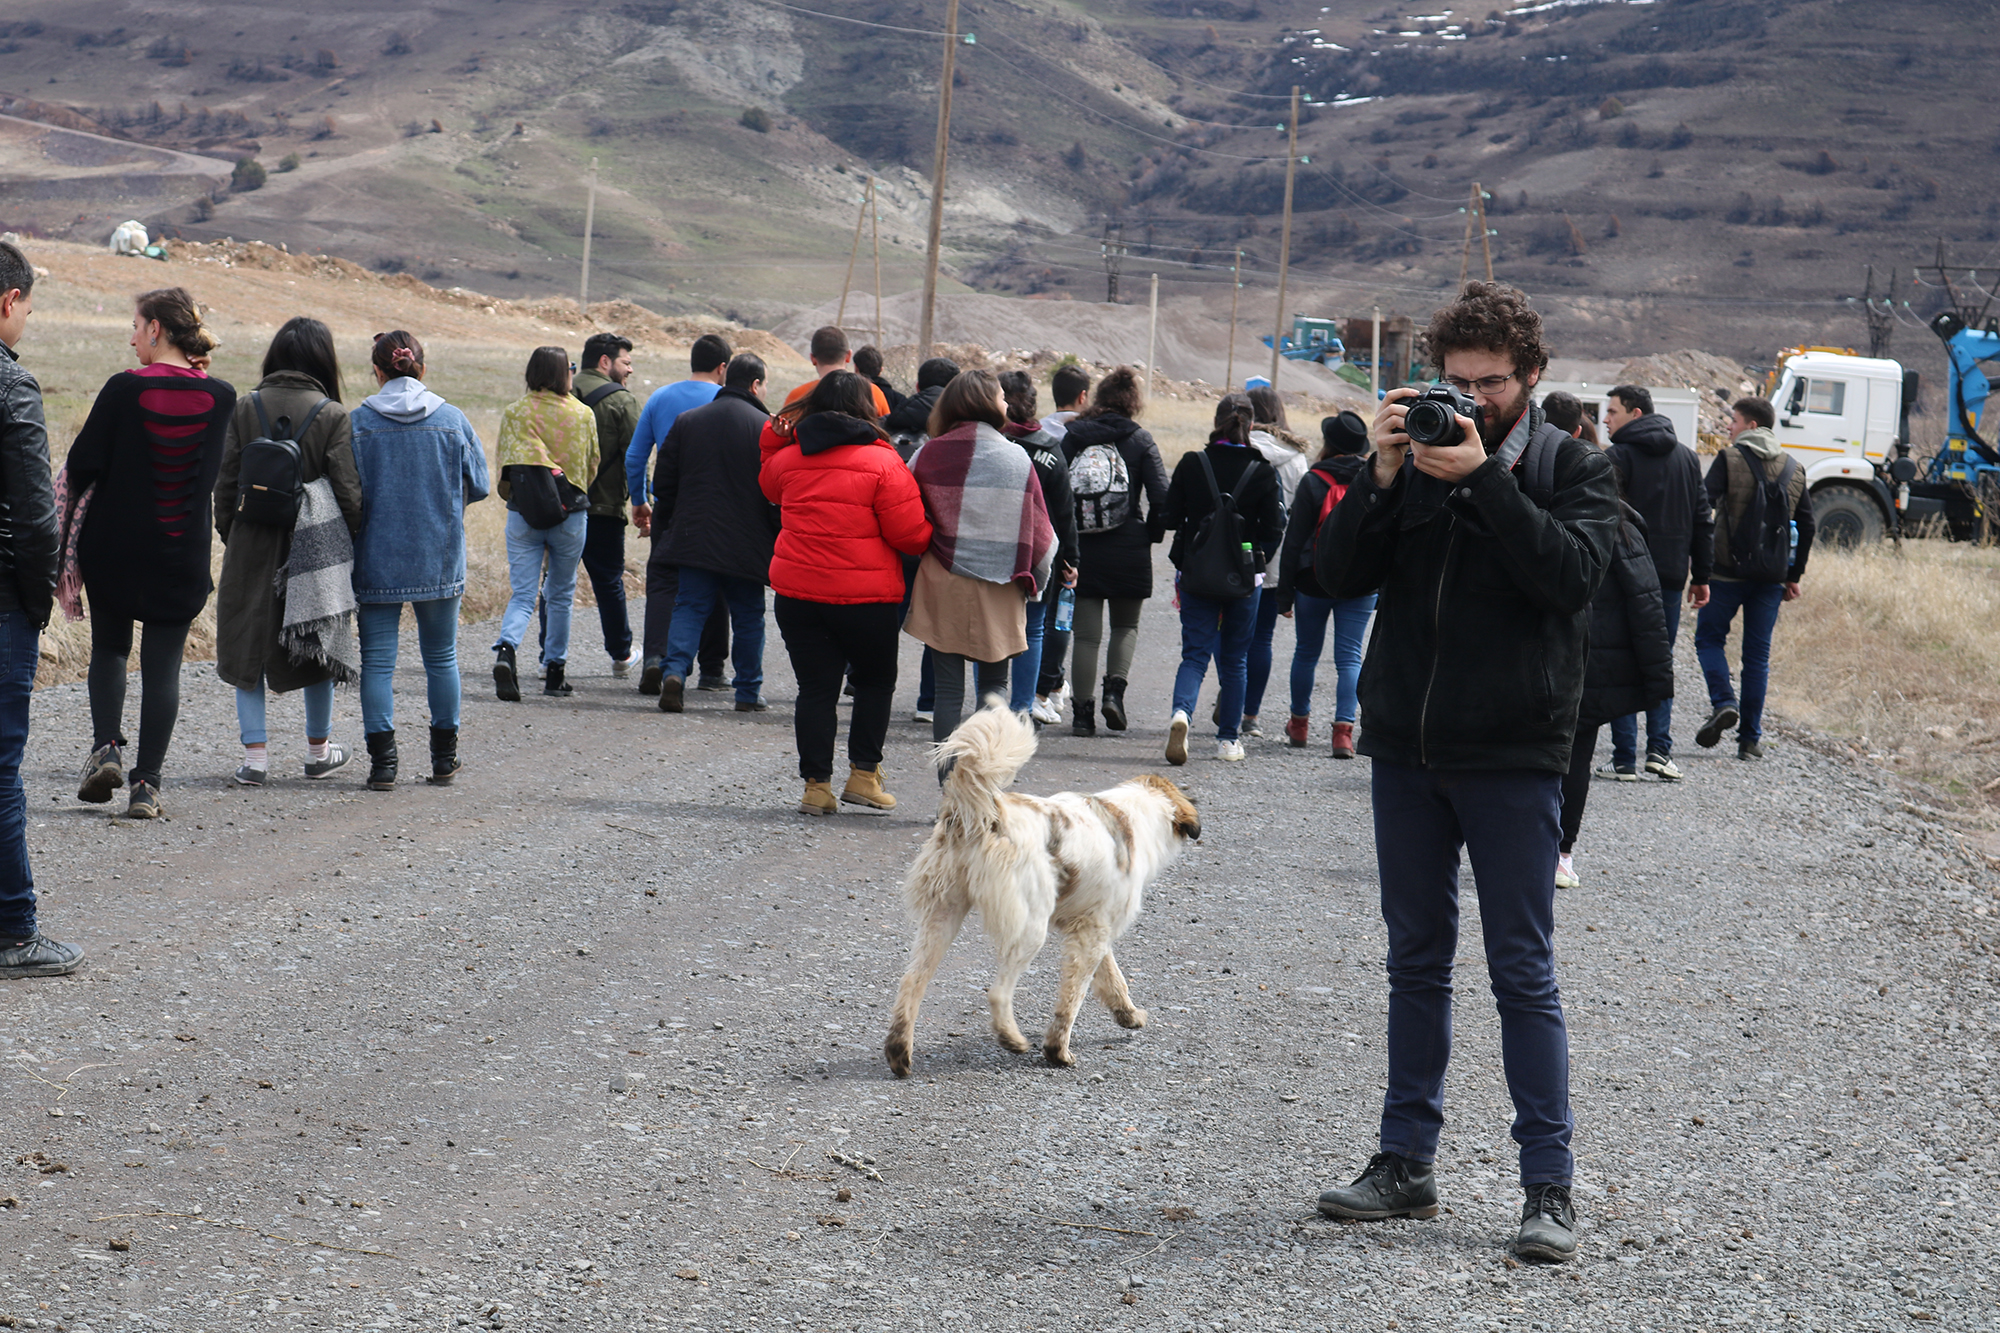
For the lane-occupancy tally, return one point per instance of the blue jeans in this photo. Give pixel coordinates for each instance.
(437, 638)
(1759, 603)
(20, 649)
(1258, 671)
(1660, 717)
(603, 562)
(1221, 630)
(563, 544)
(1507, 820)
(1028, 664)
(250, 712)
(699, 590)
(1350, 632)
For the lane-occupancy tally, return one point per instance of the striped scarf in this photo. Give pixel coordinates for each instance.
(988, 518)
(317, 584)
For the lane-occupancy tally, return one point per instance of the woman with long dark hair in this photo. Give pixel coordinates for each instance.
(849, 512)
(141, 473)
(299, 393)
(1343, 453)
(421, 463)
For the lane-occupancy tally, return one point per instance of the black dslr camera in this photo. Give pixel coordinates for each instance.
(1430, 418)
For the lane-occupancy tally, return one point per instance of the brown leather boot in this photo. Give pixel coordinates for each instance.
(1343, 740)
(864, 791)
(819, 800)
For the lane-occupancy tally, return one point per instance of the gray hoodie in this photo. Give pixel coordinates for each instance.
(405, 400)
(1760, 441)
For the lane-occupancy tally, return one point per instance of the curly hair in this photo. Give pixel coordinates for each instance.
(1489, 317)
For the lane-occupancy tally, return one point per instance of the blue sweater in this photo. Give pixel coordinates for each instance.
(421, 463)
(656, 418)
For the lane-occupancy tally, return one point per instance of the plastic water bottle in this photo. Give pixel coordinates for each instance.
(1065, 610)
(1792, 555)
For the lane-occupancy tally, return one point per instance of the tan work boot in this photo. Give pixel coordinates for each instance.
(864, 790)
(818, 799)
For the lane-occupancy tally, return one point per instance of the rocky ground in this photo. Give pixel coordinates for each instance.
(592, 1038)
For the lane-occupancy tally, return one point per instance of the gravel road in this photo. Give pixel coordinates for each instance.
(593, 1039)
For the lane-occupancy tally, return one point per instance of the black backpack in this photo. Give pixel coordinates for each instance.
(599, 394)
(1760, 545)
(270, 478)
(1220, 564)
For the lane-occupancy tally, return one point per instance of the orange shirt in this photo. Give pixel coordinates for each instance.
(881, 402)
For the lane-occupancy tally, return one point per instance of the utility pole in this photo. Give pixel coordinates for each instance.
(1475, 216)
(937, 182)
(1881, 319)
(1113, 250)
(1152, 331)
(1375, 355)
(1285, 240)
(875, 231)
(1486, 234)
(1235, 292)
(589, 223)
(840, 315)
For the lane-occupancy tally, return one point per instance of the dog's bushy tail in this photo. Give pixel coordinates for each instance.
(980, 760)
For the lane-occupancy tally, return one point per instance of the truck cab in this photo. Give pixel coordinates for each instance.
(1838, 417)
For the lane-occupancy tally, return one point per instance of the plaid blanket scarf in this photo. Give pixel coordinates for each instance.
(317, 585)
(988, 518)
(71, 510)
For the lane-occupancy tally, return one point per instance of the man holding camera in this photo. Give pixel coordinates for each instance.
(1486, 531)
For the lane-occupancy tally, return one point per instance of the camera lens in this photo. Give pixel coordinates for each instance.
(1430, 423)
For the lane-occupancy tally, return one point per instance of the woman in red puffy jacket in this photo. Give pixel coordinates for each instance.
(849, 511)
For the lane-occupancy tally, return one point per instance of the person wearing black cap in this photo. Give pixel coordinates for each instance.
(1343, 455)
(913, 415)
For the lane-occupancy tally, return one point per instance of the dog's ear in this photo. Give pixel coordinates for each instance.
(1187, 819)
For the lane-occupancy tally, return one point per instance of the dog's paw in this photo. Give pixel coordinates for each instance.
(897, 1049)
(1129, 1018)
(1011, 1041)
(1058, 1056)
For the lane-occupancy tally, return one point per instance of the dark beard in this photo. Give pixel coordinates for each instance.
(1496, 421)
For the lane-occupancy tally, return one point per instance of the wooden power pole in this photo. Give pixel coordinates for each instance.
(1235, 291)
(589, 224)
(875, 235)
(1285, 240)
(1152, 333)
(937, 182)
(860, 220)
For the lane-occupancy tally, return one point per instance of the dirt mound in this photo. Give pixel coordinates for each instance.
(1719, 381)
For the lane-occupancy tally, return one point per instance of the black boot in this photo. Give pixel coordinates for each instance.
(382, 760)
(553, 682)
(506, 683)
(444, 755)
(1114, 702)
(1084, 723)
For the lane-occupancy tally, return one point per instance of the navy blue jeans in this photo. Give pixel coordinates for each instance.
(1221, 630)
(695, 601)
(1660, 717)
(1257, 673)
(1507, 822)
(1759, 603)
(1027, 668)
(20, 647)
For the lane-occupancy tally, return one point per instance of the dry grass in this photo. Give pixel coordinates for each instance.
(1896, 653)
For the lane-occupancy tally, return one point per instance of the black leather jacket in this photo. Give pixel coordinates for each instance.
(27, 497)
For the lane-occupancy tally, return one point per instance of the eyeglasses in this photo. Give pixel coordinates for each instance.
(1489, 386)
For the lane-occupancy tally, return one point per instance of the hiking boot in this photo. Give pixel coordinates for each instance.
(1177, 731)
(336, 757)
(1721, 720)
(818, 799)
(1392, 1186)
(39, 957)
(1111, 707)
(864, 791)
(1750, 750)
(673, 694)
(1229, 752)
(708, 684)
(246, 776)
(1566, 872)
(649, 678)
(621, 667)
(756, 705)
(1619, 772)
(506, 680)
(145, 801)
(1662, 767)
(103, 773)
(381, 760)
(1548, 1225)
(1298, 730)
(444, 755)
(1343, 740)
(554, 683)
(1084, 723)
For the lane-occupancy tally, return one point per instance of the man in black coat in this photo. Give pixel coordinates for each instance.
(1486, 552)
(720, 530)
(1662, 480)
(28, 559)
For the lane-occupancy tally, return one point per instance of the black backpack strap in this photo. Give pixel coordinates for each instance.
(263, 421)
(1538, 465)
(1208, 470)
(600, 393)
(306, 425)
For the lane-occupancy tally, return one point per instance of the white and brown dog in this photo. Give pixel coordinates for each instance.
(1080, 863)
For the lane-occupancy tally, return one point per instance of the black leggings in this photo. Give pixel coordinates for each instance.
(827, 641)
(1576, 784)
(160, 653)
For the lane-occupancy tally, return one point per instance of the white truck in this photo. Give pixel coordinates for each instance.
(1842, 417)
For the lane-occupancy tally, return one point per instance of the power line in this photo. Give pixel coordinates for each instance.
(860, 23)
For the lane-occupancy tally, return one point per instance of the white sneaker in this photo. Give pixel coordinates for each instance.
(1566, 873)
(623, 669)
(1229, 751)
(1177, 731)
(1045, 711)
(923, 715)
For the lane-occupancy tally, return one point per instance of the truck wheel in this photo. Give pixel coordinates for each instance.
(1846, 518)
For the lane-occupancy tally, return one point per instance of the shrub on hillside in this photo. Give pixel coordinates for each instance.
(248, 175)
(397, 45)
(755, 118)
(289, 162)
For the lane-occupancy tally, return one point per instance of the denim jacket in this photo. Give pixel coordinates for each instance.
(421, 463)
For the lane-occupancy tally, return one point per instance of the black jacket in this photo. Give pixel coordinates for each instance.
(1119, 563)
(1052, 470)
(890, 394)
(28, 554)
(1295, 570)
(912, 416)
(706, 495)
(1242, 472)
(1477, 655)
(1663, 482)
(1631, 666)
